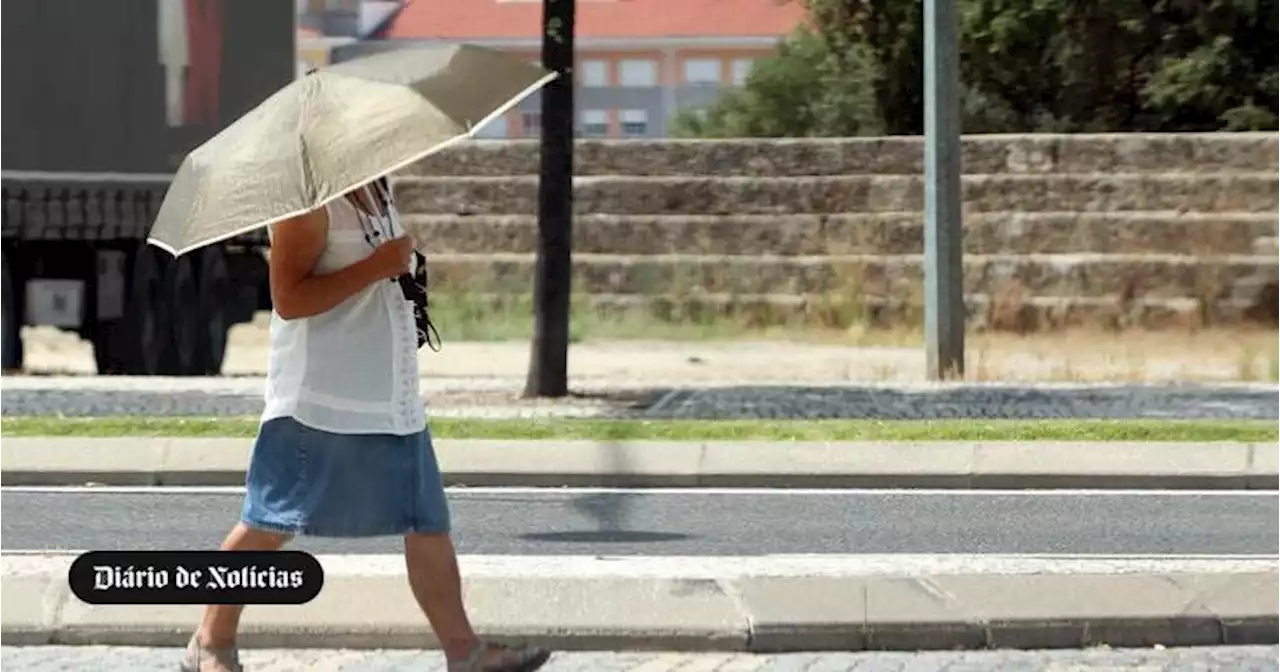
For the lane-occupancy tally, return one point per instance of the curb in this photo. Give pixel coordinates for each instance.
(54, 461)
(610, 610)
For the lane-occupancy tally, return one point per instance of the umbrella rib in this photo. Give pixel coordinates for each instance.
(304, 152)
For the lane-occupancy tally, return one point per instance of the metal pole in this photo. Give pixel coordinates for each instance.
(549, 362)
(944, 317)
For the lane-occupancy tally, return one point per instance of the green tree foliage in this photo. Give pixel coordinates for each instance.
(1026, 66)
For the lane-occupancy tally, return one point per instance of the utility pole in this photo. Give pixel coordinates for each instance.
(549, 360)
(944, 235)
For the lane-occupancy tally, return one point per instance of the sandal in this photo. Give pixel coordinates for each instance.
(227, 659)
(522, 659)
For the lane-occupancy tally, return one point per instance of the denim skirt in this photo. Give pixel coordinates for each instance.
(307, 482)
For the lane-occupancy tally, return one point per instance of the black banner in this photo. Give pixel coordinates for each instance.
(196, 577)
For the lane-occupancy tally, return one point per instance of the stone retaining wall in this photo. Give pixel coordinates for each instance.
(1239, 192)
(1089, 276)
(1025, 154)
(1090, 226)
(858, 233)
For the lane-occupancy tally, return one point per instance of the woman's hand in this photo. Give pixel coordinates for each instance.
(391, 259)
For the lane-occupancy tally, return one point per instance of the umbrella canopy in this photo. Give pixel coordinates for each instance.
(333, 130)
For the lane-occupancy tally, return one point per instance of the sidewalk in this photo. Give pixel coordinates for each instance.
(758, 604)
(1210, 356)
(994, 465)
(1236, 658)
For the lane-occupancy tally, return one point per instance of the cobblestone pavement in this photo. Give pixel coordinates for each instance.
(1233, 659)
(222, 397)
(970, 401)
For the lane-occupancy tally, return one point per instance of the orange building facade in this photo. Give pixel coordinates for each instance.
(638, 62)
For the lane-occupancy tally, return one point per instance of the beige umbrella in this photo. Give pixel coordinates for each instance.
(333, 130)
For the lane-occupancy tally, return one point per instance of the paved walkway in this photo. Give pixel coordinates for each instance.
(1207, 356)
(1237, 659)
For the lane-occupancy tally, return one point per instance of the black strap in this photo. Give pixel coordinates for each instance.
(413, 290)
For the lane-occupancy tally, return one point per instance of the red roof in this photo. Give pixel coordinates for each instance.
(489, 19)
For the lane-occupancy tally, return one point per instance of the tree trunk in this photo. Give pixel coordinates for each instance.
(549, 361)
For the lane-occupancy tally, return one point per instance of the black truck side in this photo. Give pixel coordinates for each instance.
(102, 101)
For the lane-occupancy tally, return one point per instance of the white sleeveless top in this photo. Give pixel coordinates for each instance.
(353, 369)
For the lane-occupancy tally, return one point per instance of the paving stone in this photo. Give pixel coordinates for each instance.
(98, 658)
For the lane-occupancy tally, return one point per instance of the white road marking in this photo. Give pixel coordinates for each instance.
(690, 491)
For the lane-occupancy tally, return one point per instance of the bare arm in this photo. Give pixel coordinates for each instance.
(297, 292)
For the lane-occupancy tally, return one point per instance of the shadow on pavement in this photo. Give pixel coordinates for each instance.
(605, 537)
(608, 511)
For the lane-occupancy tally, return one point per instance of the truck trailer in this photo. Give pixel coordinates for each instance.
(102, 101)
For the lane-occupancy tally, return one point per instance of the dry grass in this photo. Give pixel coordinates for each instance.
(1087, 355)
(839, 339)
(779, 355)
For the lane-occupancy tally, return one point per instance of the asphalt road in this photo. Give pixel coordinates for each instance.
(749, 522)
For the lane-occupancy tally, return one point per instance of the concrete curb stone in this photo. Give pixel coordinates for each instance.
(988, 465)
(757, 613)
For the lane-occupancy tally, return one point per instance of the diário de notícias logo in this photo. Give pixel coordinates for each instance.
(195, 577)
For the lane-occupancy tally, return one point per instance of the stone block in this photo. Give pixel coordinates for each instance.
(36, 460)
(1119, 465)
(480, 463)
(626, 195)
(28, 614)
(1079, 610)
(804, 613)
(855, 233)
(1007, 154)
(811, 464)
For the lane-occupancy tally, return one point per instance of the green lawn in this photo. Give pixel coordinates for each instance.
(701, 430)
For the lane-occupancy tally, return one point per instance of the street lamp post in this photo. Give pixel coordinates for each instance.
(549, 361)
(943, 237)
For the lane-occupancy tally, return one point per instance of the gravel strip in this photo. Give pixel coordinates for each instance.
(1127, 401)
(493, 399)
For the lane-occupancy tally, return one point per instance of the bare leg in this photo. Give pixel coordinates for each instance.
(221, 621)
(432, 565)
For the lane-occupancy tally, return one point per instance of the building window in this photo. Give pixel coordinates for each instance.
(741, 69)
(595, 123)
(635, 123)
(702, 72)
(638, 72)
(595, 73)
(496, 128)
(530, 124)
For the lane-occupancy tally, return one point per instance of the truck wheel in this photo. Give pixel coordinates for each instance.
(11, 339)
(215, 295)
(149, 314)
(111, 348)
(186, 326)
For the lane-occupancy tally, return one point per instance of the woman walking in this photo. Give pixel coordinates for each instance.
(343, 449)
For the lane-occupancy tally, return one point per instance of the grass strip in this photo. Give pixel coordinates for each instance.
(699, 430)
